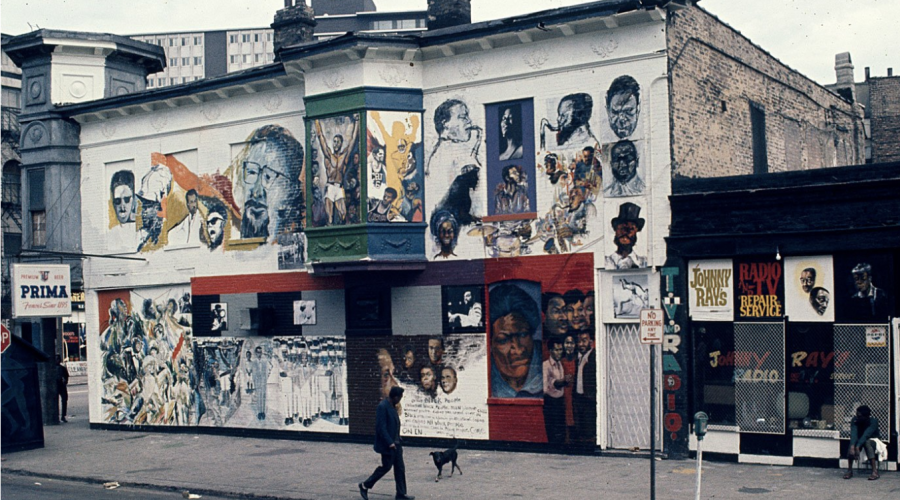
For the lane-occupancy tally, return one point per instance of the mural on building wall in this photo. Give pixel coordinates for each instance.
(444, 381)
(623, 106)
(864, 291)
(512, 190)
(516, 336)
(122, 201)
(457, 156)
(624, 237)
(572, 127)
(711, 290)
(569, 370)
(809, 283)
(304, 312)
(146, 361)
(219, 317)
(625, 176)
(289, 383)
(335, 170)
(463, 308)
(630, 294)
(394, 160)
(259, 199)
(759, 288)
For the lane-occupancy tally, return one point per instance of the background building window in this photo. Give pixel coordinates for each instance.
(758, 130)
(38, 228)
(185, 61)
(245, 38)
(198, 40)
(198, 61)
(173, 61)
(232, 39)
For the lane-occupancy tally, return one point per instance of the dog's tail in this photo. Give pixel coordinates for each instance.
(455, 444)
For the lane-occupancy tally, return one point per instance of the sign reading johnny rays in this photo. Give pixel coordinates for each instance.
(759, 289)
(711, 290)
(40, 291)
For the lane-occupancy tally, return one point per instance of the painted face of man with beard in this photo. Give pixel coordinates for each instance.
(266, 188)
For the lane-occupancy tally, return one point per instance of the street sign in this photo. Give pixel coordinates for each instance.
(652, 326)
(5, 339)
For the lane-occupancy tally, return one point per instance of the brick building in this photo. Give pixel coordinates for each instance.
(447, 211)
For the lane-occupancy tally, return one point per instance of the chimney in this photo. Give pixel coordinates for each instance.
(843, 69)
(868, 74)
(294, 24)
(448, 13)
(890, 71)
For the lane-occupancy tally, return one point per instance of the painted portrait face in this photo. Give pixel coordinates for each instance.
(863, 281)
(807, 280)
(589, 310)
(821, 301)
(435, 350)
(626, 234)
(124, 203)
(427, 378)
(556, 351)
(191, 201)
(448, 380)
(623, 113)
(386, 369)
(215, 226)
(576, 317)
(458, 127)
(569, 345)
(584, 343)
(623, 161)
(467, 297)
(556, 321)
(512, 347)
(565, 114)
(379, 155)
(409, 359)
(506, 122)
(336, 144)
(266, 190)
(446, 234)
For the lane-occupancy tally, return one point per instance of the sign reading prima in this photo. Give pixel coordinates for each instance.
(41, 291)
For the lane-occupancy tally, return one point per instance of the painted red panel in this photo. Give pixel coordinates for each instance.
(517, 420)
(105, 298)
(264, 283)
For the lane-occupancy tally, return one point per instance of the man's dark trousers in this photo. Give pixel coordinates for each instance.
(393, 459)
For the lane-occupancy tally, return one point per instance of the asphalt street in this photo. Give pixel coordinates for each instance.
(165, 463)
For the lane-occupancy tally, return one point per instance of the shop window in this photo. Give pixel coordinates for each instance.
(714, 371)
(810, 367)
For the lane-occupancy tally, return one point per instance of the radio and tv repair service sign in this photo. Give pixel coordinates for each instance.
(41, 291)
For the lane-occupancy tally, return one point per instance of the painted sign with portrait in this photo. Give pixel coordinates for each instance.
(630, 294)
(334, 171)
(864, 292)
(515, 339)
(463, 309)
(711, 290)
(511, 180)
(443, 381)
(625, 172)
(759, 290)
(627, 249)
(809, 285)
(395, 168)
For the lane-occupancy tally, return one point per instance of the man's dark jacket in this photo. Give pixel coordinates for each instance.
(387, 427)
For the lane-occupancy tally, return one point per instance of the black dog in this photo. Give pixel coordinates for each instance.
(443, 457)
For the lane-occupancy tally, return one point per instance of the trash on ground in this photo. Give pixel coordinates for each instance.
(111, 485)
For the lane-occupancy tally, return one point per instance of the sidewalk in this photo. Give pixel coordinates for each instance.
(291, 469)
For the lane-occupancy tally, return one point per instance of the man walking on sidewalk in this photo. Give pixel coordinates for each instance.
(387, 443)
(62, 387)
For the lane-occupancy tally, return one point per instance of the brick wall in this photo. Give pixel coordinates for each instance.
(715, 74)
(884, 100)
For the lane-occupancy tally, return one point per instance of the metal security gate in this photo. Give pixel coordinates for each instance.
(759, 381)
(628, 390)
(862, 375)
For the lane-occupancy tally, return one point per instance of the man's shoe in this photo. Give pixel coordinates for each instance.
(363, 491)
(405, 497)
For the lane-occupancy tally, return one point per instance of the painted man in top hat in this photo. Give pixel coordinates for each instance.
(626, 226)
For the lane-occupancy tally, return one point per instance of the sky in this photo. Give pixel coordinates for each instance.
(804, 34)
